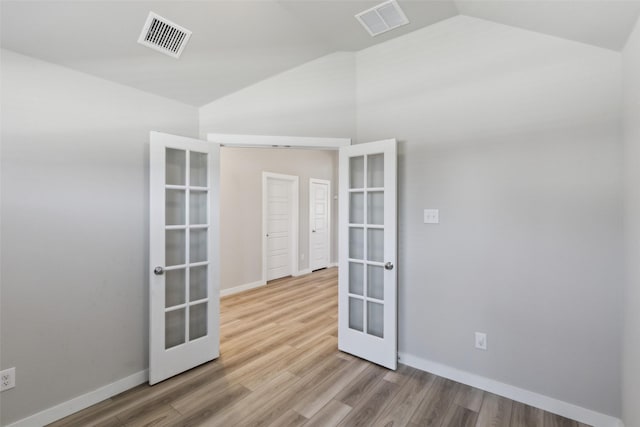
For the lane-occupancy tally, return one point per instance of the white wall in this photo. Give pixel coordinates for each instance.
(74, 229)
(514, 136)
(315, 99)
(241, 205)
(631, 353)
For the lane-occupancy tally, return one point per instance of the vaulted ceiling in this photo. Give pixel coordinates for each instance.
(236, 43)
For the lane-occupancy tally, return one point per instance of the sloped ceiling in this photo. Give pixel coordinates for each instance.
(236, 43)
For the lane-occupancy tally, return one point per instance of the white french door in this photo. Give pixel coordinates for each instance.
(367, 311)
(183, 254)
(319, 223)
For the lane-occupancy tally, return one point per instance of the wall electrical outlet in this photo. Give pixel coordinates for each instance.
(481, 340)
(7, 379)
(431, 216)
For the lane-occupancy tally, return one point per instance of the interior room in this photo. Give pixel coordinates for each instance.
(508, 136)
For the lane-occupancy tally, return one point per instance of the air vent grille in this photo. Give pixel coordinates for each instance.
(382, 18)
(164, 36)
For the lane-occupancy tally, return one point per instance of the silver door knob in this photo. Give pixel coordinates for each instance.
(313, 231)
(388, 266)
(158, 271)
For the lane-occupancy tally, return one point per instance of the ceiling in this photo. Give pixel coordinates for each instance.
(236, 43)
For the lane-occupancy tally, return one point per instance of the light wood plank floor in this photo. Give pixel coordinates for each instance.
(280, 366)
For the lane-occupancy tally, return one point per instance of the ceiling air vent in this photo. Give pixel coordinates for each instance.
(164, 36)
(382, 18)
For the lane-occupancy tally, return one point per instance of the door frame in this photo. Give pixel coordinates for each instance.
(294, 223)
(329, 230)
(275, 141)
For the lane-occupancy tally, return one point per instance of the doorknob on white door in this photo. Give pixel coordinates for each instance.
(388, 266)
(158, 271)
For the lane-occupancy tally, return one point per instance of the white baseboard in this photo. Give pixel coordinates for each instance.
(537, 400)
(333, 264)
(81, 402)
(241, 288)
(302, 272)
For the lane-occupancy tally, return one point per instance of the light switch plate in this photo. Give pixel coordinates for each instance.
(431, 216)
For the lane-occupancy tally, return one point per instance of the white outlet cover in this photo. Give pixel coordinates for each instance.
(431, 216)
(7, 379)
(481, 340)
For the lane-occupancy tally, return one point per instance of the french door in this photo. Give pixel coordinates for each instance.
(183, 254)
(367, 311)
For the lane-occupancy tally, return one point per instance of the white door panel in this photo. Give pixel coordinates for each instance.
(319, 220)
(183, 254)
(280, 200)
(367, 312)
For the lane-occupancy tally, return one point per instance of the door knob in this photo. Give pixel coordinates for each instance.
(388, 266)
(158, 271)
(313, 231)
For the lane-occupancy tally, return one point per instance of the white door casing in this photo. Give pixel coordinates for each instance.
(183, 254)
(279, 225)
(367, 293)
(319, 223)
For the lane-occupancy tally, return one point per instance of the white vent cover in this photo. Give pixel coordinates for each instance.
(382, 18)
(164, 36)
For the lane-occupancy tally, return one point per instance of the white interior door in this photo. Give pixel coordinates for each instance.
(367, 311)
(319, 223)
(183, 254)
(280, 207)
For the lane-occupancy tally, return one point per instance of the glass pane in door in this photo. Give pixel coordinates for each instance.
(198, 283)
(375, 170)
(176, 167)
(375, 319)
(356, 243)
(356, 208)
(198, 169)
(356, 278)
(197, 321)
(175, 201)
(198, 208)
(174, 287)
(198, 245)
(375, 282)
(356, 314)
(174, 324)
(175, 247)
(356, 172)
(375, 244)
(375, 208)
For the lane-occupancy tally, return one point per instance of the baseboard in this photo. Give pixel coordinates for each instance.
(537, 400)
(241, 288)
(333, 264)
(302, 272)
(81, 402)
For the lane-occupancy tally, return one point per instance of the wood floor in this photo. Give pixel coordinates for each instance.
(280, 366)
